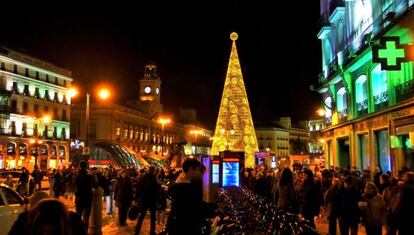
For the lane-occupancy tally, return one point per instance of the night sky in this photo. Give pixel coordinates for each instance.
(189, 41)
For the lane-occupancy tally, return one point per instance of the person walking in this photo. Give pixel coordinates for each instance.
(186, 208)
(37, 177)
(348, 212)
(83, 193)
(332, 205)
(105, 184)
(285, 195)
(147, 195)
(58, 183)
(310, 197)
(374, 211)
(23, 183)
(123, 197)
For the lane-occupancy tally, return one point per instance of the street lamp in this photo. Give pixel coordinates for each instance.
(103, 94)
(321, 112)
(196, 133)
(163, 121)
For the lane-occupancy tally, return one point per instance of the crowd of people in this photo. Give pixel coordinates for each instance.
(124, 188)
(345, 196)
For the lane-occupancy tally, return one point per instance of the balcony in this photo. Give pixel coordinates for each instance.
(381, 100)
(333, 4)
(404, 91)
(342, 115)
(362, 107)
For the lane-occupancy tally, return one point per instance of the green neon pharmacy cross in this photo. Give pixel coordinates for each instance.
(389, 53)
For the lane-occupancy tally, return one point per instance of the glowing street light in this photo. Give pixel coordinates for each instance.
(321, 112)
(46, 119)
(163, 121)
(104, 93)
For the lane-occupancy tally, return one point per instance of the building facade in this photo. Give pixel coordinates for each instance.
(135, 126)
(273, 139)
(369, 105)
(34, 112)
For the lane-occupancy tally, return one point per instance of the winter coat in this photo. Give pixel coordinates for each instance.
(147, 190)
(375, 212)
(310, 199)
(83, 190)
(348, 204)
(186, 209)
(105, 184)
(123, 192)
(286, 198)
(58, 183)
(332, 201)
(405, 214)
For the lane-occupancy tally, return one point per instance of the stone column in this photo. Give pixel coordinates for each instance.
(95, 219)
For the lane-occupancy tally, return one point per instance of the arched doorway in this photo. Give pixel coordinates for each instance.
(22, 160)
(62, 155)
(53, 161)
(11, 155)
(43, 156)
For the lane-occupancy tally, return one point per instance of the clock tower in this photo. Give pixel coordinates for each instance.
(150, 89)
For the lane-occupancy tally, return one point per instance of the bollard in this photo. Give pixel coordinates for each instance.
(95, 220)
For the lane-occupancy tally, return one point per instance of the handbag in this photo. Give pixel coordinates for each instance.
(133, 212)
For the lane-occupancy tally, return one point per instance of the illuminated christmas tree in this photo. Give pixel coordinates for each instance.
(234, 128)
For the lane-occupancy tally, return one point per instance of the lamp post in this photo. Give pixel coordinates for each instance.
(195, 133)
(163, 121)
(103, 94)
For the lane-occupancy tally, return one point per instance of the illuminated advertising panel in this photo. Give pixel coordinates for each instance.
(231, 175)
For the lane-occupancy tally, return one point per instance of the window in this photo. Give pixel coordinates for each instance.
(341, 99)
(15, 88)
(36, 109)
(46, 109)
(24, 129)
(383, 151)
(47, 78)
(37, 75)
(379, 87)
(55, 97)
(63, 135)
(47, 97)
(361, 94)
(26, 72)
(26, 90)
(64, 118)
(3, 66)
(37, 93)
(25, 107)
(15, 68)
(56, 81)
(363, 151)
(55, 132)
(64, 83)
(56, 114)
(14, 106)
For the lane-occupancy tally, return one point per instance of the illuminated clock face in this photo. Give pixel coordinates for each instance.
(147, 90)
(157, 90)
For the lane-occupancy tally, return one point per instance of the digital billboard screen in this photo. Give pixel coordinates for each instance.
(231, 174)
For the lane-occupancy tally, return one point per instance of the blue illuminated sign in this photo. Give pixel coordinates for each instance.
(215, 174)
(231, 174)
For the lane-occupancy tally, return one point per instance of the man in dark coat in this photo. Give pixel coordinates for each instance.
(349, 212)
(187, 205)
(147, 195)
(37, 177)
(406, 205)
(123, 197)
(83, 193)
(311, 195)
